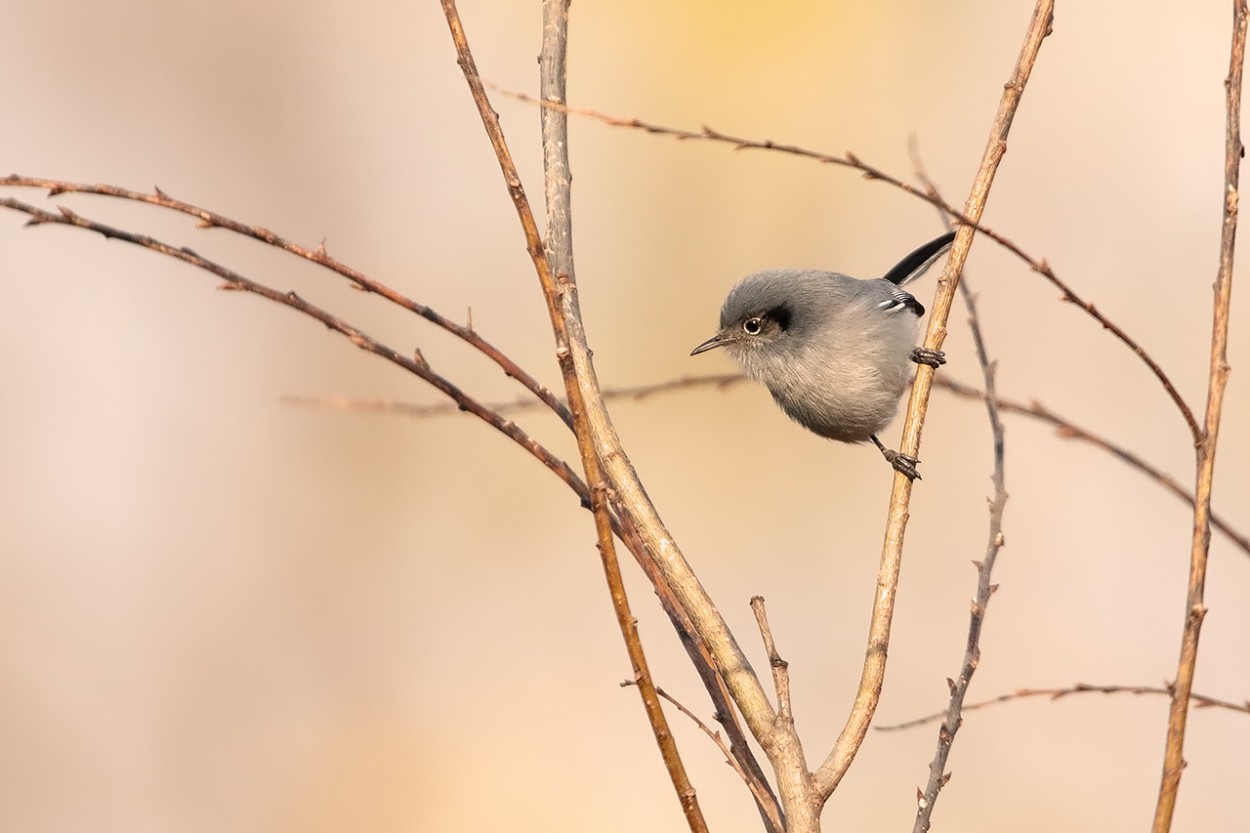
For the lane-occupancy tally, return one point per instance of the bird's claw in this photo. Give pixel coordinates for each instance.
(904, 464)
(925, 355)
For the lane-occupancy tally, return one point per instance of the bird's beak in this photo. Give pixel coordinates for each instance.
(718, 340)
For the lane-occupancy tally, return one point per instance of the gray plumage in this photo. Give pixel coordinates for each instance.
(834, 351)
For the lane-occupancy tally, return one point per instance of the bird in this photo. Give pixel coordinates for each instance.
(834, 351)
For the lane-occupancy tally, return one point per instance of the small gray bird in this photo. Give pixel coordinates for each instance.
(834, 351)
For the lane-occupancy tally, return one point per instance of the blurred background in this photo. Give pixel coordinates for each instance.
(225, 612)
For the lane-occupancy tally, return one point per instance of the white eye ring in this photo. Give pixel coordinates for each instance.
(753, 326)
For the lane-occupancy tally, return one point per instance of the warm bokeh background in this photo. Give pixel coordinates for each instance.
(221, 612)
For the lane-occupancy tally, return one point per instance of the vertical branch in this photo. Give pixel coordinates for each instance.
(594, 431)
(873, 676)
(985, 569)
(559, 252)
(781, 668)
(637, 513)
(783, 748)
(1195, 609)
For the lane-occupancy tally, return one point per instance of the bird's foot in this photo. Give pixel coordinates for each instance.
(904, 464)
(924, 355)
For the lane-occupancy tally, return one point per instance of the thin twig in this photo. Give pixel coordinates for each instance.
(761, 799)
(1071, 431)
(545, 398)
(559, 257)
(1066, 428)
(212, 219)
(1201, 701)
(851, 738)
(318, 255)
(781, 668)
(871, 172)
(438, 409)
(681, 622)
(1217, 379)
(926, 799)
(938, 776)
(416, 365)
(784, 749)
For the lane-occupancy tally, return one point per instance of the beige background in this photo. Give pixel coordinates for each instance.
(220, 612)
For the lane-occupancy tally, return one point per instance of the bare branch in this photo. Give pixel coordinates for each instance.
(1066, 428)
(1217, 379)
(665, 565)
(840, 757)
(416, 365)
(871, 172)
(938, 777)
(412, 409)
(781, 668)
(753, 784)
(318, 255)
(559, 254)
(1198, 700)
(1071, 431)
(783, 749)
(210, 219)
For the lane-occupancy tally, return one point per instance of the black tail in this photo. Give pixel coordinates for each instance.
(914, 265)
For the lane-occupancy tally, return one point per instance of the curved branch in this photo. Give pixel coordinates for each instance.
(1199, 700)
(416, 365)
(319, 256)
(1034, 410)
(871, 172)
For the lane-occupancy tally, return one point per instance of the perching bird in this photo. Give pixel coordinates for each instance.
(834, 351)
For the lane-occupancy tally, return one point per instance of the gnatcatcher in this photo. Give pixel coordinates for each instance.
(834, 351)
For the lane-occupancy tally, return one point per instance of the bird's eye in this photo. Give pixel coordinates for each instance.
(752, 326)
